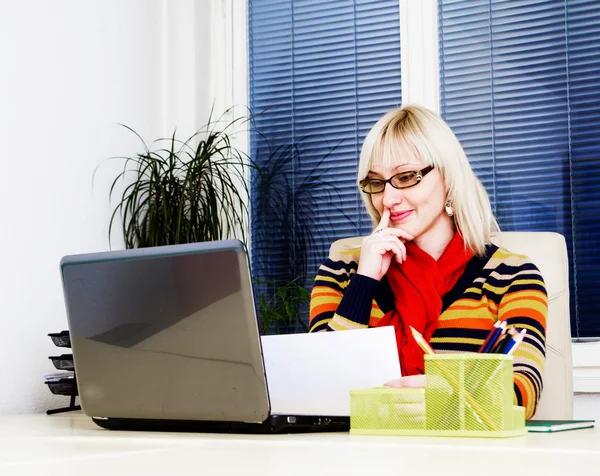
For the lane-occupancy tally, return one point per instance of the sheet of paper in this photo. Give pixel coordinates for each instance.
(312, 374)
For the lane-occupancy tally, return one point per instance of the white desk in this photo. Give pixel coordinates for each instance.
(67, 444)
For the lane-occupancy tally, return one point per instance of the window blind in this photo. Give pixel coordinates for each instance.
(519, 86)
(321, 74)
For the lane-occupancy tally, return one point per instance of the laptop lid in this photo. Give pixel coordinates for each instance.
(166, 333)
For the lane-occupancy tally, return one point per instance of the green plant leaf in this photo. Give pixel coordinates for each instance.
(183, 191)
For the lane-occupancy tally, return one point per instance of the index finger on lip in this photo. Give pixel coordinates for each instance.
(385, 219)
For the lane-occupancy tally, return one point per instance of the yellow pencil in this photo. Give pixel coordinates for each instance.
(421, 341)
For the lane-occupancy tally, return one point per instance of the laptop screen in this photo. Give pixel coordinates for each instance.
(167, 332)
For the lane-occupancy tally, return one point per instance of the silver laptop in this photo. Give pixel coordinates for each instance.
(166, 338)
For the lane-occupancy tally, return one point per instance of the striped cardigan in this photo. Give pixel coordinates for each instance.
(498, 286)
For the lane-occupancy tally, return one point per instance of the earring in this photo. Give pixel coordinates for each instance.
(449, 208)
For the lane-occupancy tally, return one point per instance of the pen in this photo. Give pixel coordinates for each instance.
(510, 333)
(503, 340)
(492, 337)
(514, 342)
(421, 341)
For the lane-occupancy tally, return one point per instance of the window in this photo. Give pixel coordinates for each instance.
(321, 73)
(519, 84)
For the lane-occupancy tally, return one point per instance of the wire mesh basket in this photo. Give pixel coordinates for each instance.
(464, 395)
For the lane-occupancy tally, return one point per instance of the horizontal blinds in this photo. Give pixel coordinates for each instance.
(519, 82)
(321, 74)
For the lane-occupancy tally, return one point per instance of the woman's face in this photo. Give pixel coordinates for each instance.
(418, 210)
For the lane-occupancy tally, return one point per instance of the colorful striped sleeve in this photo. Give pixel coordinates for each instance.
(341, 299)
(524, 305)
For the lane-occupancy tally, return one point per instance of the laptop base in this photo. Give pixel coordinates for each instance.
(274, 424)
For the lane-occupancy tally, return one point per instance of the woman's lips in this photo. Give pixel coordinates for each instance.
(399, 216)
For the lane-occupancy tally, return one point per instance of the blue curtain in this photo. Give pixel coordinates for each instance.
(321, 74)
(520, 84)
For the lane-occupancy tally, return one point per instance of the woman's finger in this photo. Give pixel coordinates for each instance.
(390, 244)
(385, 244)
(406, 236)
(385, 220)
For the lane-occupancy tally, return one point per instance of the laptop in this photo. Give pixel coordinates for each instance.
(166, 338)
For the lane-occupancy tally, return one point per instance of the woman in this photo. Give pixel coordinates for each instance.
(430, 263)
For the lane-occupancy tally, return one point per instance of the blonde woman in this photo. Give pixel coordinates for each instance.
(430, 262)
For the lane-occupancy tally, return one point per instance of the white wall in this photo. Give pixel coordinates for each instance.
(72, 70)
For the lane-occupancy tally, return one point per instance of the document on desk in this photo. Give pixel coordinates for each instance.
(312, 374)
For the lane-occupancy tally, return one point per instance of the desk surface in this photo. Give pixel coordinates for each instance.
(72, 444)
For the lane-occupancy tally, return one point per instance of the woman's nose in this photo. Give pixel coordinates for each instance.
(392, 196)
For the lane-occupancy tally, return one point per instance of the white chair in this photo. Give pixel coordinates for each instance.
(548, 251)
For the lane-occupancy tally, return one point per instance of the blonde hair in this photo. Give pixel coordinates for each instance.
(414, 131)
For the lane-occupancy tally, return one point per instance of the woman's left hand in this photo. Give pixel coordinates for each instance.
(412, 381)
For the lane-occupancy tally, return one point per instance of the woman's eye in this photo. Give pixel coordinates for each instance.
(406, 177)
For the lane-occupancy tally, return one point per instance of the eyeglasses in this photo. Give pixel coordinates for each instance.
(403, 180)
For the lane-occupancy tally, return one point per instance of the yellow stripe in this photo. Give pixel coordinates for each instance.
(318, 323)
(474, 290)
(317, 300)
(339, 323)
(376, 313)
(514, 259)
(330, 279)
(503, 289)
(455, 340)
(528, 355)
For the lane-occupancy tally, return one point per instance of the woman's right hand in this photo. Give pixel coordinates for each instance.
(379, 248)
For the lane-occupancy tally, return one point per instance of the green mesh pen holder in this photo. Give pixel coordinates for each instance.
(465, 395)
(471, 394)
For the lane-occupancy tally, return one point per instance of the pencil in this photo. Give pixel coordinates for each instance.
(506, 339)
(421, 341)
(492, 337)
(514, 342)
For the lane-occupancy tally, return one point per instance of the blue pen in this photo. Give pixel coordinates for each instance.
(489, 343)
(514, 341)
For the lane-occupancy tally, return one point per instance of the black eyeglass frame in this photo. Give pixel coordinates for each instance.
(419, 174)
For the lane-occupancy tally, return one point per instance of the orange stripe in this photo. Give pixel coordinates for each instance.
(481, 305)
(522, 297)
(318, 293)
(466, 323)
(325, 289)
(527, 394)
(529, 294)
(322, 308)
(373, 321)
(536, 315)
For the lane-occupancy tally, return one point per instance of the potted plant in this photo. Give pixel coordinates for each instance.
(184, 191)
(280, 308)
(287, 226)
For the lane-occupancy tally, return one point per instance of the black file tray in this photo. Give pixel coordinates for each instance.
(63, 362)
(63, 386)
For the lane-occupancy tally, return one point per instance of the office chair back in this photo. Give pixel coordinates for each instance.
(548, 251)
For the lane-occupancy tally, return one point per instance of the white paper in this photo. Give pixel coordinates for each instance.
(312, 374)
